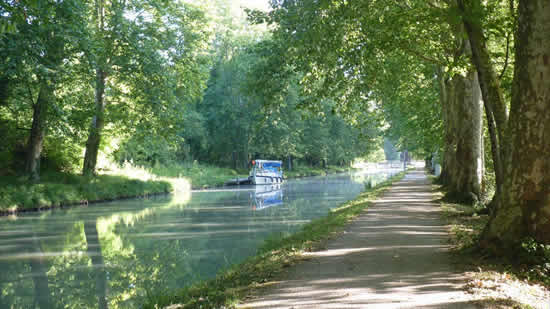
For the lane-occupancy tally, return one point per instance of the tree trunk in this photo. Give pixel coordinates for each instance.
(462, 157)
(234, 158)
(467, 184)
(495, 107)
(447, 162)
(38, 129)
(289, 162)
(98, 121)
(524, 204)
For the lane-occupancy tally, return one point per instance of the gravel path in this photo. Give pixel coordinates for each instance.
(392, 256)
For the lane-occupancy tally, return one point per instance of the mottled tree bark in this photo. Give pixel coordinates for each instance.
(469, 149)
(446, 91)
(524, 204)
(462, 157)
(495, 107)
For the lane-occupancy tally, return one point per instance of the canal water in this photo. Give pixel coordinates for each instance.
(113, 255)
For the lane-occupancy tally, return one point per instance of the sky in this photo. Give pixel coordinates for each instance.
(254, 4)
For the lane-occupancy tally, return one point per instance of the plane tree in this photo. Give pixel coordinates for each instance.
(344, 44)
(519, 130)
(353, 51)
(38, 47)
(147, 62)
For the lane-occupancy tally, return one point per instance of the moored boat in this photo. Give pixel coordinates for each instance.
(266, 172)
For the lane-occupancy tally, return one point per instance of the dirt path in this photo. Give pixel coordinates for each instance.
(392, 256)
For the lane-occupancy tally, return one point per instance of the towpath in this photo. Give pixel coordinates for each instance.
(394, 255)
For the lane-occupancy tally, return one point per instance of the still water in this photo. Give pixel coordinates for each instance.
(113, 255)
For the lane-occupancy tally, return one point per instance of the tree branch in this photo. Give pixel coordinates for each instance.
(507, 56)
(420, 55)
(30, 95)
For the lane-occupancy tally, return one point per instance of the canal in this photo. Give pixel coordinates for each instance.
(112, 255)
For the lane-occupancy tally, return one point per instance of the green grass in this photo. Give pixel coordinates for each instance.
(206, 176)
(305, 171)
(200, 175)
(233, 284)
(60, 189)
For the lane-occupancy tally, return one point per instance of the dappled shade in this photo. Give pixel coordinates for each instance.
(394, 255)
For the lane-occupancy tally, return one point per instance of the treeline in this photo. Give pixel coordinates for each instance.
(231, 125)
(151, 82)
(76, 74)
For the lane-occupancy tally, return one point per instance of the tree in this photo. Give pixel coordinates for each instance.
(38, 51)
(359, 53)
(518, 136)
(146, 54)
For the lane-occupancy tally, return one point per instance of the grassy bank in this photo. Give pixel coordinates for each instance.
(199, 175)
(57, 189)
(233, 284)
(306, 171)
(205, 176)
(497, 283)
(62, 189)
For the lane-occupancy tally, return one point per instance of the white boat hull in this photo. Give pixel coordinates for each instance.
(265, 180)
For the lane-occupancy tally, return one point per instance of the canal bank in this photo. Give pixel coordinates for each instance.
(276, 255)
(59, 190)
(126, 251)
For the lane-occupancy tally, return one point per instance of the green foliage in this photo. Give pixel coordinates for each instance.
(61, 155)
(158, 58)
(12, 141)
(537, 257)
(200, 175)
(234, 123)
(39, 54)
(146, 151)
(154, 54)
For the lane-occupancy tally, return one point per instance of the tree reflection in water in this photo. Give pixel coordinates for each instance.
(98, 268)
(115, 255)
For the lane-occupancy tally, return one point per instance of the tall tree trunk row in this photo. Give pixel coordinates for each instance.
(495, 106)
(524, 204)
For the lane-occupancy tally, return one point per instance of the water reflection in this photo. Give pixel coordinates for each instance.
(113, 255)
(266, 196)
